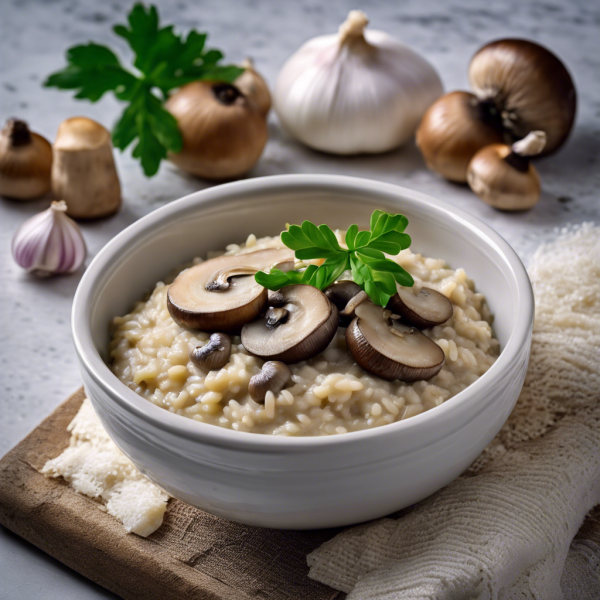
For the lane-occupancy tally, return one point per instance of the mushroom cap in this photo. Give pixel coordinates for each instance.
(80, 133)
(498, 183)
(214, 354)
(422, 308)
(192, 305)
(390, 349)
(273, 377)
(309, 327)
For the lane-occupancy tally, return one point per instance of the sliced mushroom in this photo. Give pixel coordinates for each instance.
(304, 325)
(423, 309)
(214, 354)
(341, 292)
(389, 349)
(273, 377)
(221, 294)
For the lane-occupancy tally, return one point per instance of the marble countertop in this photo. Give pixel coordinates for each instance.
(36, 356)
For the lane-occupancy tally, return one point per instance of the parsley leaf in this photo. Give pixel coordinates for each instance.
(163, 61)
(365, 257)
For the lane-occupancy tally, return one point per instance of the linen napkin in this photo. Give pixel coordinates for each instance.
(507, 528)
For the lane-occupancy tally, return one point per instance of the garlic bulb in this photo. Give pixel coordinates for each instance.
(25, 162)
(503, 177)
(355, 92)
(49, 243)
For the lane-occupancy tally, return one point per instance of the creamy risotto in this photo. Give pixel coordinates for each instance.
(328, 393)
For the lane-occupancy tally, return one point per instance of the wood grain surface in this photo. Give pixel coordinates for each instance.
(192, 555)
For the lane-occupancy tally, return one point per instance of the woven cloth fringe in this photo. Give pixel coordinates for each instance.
(508, 528)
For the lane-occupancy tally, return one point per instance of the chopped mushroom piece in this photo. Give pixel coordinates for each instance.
(214, 354)
(303, 326)
(341, 292)
(273, 377)
(389, 349)
(423, 309)
(221, 294)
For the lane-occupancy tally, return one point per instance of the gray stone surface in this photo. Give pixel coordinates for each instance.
(37, 366)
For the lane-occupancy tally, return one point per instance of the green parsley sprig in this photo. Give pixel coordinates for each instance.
(163, 61)
(371, 269)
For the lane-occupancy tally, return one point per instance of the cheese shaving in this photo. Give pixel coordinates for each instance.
(94, 466)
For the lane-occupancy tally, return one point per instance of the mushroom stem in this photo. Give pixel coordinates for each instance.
(353, 303)
(83, 169)
(276, 316)
(219, 282)
(531, 145)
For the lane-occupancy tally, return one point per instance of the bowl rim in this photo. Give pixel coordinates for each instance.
(213, 435)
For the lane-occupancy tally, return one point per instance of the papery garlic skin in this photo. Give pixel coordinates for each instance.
(354, 92)
(49, 243)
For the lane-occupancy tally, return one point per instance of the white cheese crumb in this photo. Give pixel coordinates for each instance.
(95, 467)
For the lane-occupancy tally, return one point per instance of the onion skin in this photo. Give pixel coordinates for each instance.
(501, 185)
(24, 166)
(252, 84)
(452, 130)
(220, 141)
(530, 86)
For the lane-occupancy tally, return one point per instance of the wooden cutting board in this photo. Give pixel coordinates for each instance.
(192, 555)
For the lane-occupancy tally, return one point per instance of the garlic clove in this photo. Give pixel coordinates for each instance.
(503, 177)
(357, 91)
(25, 162)
(49, 243)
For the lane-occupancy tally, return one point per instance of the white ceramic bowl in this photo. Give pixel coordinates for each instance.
(304, 482)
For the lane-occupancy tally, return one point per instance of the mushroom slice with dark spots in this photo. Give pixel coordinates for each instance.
(421, 308)
(303, 326)
(273, 377)
(389, 349)
(214, 354)
(221, 294)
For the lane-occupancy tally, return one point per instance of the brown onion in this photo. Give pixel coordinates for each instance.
(25, 162)
(452, 130)
(223, 132)
(253, 86)
(529, 87)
